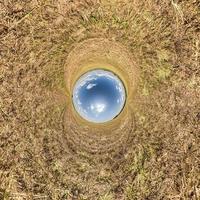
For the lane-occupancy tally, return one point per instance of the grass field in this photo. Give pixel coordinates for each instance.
(153, 153)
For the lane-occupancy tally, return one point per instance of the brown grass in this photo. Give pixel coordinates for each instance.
(38, 157)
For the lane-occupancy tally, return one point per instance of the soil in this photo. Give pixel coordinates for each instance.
(150, 151)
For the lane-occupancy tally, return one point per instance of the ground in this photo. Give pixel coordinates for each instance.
(158, 156)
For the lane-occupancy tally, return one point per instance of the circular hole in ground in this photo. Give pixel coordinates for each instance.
(99, 96)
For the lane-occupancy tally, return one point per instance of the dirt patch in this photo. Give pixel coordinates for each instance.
(152, 152)
(94, 54)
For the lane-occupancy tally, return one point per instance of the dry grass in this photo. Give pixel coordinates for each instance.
(162, 159)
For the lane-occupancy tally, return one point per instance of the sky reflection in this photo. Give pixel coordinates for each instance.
(99, 96)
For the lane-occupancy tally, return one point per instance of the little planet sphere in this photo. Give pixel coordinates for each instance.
(99, 96)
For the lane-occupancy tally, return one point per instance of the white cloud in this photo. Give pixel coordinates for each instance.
(90, 86)
(100, 107)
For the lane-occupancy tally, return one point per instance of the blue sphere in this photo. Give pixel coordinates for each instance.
(99, 96)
